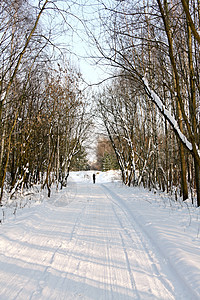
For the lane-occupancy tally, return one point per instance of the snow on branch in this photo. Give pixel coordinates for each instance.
(156, 99)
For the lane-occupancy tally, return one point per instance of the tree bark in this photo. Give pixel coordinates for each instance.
(165, 17)
(192, 107)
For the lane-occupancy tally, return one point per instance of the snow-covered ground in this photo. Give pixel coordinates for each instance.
(100, 241)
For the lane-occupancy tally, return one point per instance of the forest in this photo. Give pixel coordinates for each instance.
(148, 104)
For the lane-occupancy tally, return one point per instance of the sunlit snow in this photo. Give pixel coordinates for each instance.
(101, 241)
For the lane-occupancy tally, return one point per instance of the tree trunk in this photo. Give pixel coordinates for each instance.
(166, 20)
(7, 157)
(46, 182)
(184, 186)
(192, 108)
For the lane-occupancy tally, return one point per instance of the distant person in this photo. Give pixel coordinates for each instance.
(94, 178)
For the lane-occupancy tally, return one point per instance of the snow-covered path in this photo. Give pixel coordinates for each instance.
(91, 248)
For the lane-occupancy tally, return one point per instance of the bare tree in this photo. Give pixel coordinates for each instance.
(149, 42)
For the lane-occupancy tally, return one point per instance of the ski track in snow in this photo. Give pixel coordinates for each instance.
(90, 248)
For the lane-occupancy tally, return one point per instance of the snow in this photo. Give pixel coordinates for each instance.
(167, 115)
(101, 241)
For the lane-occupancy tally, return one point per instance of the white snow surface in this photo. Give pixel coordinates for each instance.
(101, 241)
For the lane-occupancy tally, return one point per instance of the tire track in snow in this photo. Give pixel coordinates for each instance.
(101, 271)
(77, 224)
(140, 240)
(95, 254)
(107, 272)
(71, 246)
(131, 277)
(149, 245)
(45, 274)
